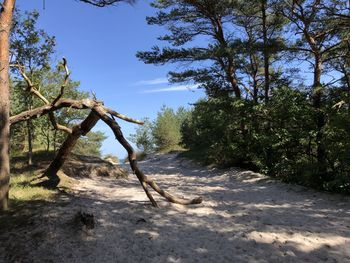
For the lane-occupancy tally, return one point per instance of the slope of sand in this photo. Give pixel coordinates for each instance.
(244, 218)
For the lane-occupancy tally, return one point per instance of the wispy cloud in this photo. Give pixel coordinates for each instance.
(156, 81)
(173, 88)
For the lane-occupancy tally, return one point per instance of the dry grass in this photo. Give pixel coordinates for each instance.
(25, 180)
(24, 188)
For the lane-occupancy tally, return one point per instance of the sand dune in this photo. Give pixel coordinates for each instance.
(245, 217)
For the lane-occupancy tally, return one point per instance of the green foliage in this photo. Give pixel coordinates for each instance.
(30, 47)
(222, 41)
(166, 131)
(163, 134)
(278, 139)
(143, 137)
(260, 111)
(90, 144)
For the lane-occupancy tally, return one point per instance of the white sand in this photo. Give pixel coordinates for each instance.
(244, 218)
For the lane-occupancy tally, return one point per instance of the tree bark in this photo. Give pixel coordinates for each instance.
(320, 117)
(54, 141)
(229, 66)
(266, 51)
(48, 138)
(77, 131)
(30, 141)
(5, 28)
(30, 132)
(232, 80)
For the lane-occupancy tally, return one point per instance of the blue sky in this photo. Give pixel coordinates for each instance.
(100, 45)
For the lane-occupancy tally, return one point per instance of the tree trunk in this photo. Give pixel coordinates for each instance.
(254, 76)
(30, 141)
(320, 117)
(48, 137)
(67, 147)
(346, 76)
(233, 80)
(266, 51)
(30, 132)
(5, 28)
(48, 142)
(54, 141)
(229, 68)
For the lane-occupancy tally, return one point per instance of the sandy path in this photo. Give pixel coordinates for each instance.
(244, 218)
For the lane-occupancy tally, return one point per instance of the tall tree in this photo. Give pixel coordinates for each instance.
(30, 48)
(226, 43)
(261, 40)
(316, 41)
(167, 128)
(5, 31)
(213, 62)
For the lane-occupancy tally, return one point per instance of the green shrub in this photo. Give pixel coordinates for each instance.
(278, 138)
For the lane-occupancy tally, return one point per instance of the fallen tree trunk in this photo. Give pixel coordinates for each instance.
(77, 131)
(98, 111)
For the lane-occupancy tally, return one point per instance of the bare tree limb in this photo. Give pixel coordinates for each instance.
(67, 103)
(133, 164)
(30, 86)
(65, 82)
(57, 126)
(98, 111)
(122, 117)
(46, 109)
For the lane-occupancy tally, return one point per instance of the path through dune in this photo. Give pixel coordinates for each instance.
(245, 217)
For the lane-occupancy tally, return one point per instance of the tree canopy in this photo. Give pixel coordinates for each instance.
(276, 75)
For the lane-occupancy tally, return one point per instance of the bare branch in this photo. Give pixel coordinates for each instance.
(46, 109)
(333, 46)
(122, 117)
(58, 126)
(78, 130)
(144, 180)
(248, 90)
(30, 86)
(65, 82)
(98, 111)
(67, 103)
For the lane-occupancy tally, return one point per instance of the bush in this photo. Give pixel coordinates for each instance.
(163, 134)
(278, 138)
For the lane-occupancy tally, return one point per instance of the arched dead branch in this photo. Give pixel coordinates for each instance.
(144, 180)
(98, 112)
